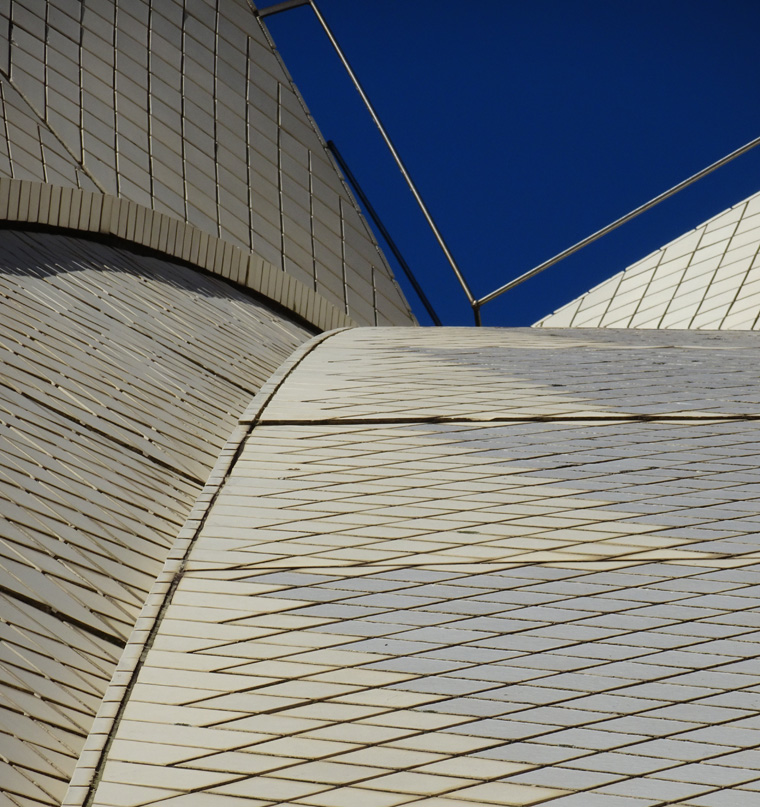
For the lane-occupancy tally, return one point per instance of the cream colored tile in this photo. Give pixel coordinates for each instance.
(411, 782)
(391, 758)
(472, 767)
(352, 796)
(506, 793)
(330, 772)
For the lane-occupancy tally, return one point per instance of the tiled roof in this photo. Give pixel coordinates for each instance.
(420, 596)
(708, 278)
(122, 376)
(185, 108)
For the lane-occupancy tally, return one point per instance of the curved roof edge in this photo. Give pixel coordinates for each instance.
(497, 550)
(116, 697)
(90, 212)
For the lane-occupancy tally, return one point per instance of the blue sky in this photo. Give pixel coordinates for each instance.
(528, 125)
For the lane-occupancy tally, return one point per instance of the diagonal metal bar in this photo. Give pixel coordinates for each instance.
(278, 7)
(384, 232)
(617, 223)
(399, 162)
(288, 4)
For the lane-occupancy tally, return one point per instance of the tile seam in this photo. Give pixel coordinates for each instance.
(112, 438)
(89, 768)
(44, 123)
(62, 616)
(611, 418)
(118, 218)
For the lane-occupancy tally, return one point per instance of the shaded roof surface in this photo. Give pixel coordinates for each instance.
(439, 569)
(185, 108)
(122, 376)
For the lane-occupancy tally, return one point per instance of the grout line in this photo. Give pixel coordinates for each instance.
(91, 764)
(112, 438)
(62, 616)
(580, 418)
(498, 742)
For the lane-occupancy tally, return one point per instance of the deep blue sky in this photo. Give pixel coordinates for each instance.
(528, 125)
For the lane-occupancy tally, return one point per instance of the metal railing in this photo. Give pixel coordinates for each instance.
(383, 230)
(288, 4)
(477, 302)
(566, 253)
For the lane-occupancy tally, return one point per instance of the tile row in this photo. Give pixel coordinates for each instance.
(185, 108)
(706, 279)
(520, 374)
(123, 375)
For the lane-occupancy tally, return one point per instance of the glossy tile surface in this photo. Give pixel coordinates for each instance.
(135, 133)
(552, 609)
(122, 376)
(707, 279)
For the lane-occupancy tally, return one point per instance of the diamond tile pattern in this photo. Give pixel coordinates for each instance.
(461, 493)
(708, 278)
(547, 610)
(184, 107)
(123, 375)
(53, 677)
(514, 373)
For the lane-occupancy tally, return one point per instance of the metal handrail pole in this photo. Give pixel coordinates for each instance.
(618, 222)
(405, 173)
(278, 7)
(384, 232)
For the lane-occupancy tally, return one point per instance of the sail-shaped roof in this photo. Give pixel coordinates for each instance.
(708, 278)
